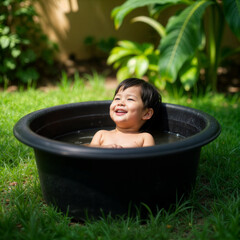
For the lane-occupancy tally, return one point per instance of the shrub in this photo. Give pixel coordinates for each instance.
(23, 46)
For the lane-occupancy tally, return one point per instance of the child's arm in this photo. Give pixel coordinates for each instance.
(148, 140)
(96, 140)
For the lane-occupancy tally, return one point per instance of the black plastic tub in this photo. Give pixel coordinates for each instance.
(79, 179)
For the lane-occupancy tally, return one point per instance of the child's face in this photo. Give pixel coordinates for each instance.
(127, 109)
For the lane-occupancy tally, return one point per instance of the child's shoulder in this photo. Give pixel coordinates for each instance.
(100, 132)
(148, 139)
(145, 134)
(103, 131)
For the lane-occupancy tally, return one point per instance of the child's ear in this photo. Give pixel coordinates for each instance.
(148, 114)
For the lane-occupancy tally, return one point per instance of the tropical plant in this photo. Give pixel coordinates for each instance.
(187, 44)
(22, 42)
(134, 59)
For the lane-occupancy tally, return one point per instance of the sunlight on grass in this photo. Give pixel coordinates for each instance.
(212, 211)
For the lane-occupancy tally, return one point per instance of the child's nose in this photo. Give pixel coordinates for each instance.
(121, 103)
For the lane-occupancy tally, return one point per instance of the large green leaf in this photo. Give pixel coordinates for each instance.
(142, 66)
(123, 73)
(118, 52)
(232, 14)
(151, 22)
(182, 39)
(129, 48)
(128, 44)
(121, 11)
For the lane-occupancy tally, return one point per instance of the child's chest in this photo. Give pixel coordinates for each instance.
(125, 140)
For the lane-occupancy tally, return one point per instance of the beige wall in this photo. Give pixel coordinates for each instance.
(69, 22)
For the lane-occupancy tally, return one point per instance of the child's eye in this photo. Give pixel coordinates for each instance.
(117, 98)
(130, 99)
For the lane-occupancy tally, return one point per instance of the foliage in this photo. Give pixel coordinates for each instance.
(187, 45)
(134, 59)
(22, 42)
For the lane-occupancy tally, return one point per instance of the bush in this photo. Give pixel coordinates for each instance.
(23, 46)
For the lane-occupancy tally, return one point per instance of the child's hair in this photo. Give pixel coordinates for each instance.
(150, 96)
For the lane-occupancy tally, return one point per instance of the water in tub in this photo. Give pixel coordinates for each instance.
(85, 136)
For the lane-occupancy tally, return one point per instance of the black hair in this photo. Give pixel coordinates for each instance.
(150, 96)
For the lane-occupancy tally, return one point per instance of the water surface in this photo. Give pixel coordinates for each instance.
(85, 136)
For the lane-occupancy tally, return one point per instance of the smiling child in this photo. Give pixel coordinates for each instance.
(134, 105)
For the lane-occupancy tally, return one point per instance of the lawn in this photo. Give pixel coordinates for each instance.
(211, 212)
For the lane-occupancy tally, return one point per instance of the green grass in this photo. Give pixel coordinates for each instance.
(211, 212)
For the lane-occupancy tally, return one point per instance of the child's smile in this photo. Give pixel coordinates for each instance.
(120, 111)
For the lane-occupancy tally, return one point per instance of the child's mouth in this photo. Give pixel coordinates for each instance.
(120, 112)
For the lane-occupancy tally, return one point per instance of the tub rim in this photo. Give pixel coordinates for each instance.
(27, 136)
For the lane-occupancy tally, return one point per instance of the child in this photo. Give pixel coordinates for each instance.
(132, 109)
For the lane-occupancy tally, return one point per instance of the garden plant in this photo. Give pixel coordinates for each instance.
(190, 41)
(211, 211)
(24, 48)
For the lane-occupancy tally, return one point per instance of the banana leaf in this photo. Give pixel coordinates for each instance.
(183, 36)
(232, 14)
(120, 12)
(153, 23)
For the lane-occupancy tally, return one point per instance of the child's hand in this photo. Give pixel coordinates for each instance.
(112, 146)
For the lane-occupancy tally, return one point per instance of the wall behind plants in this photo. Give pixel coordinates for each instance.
(69, 22)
